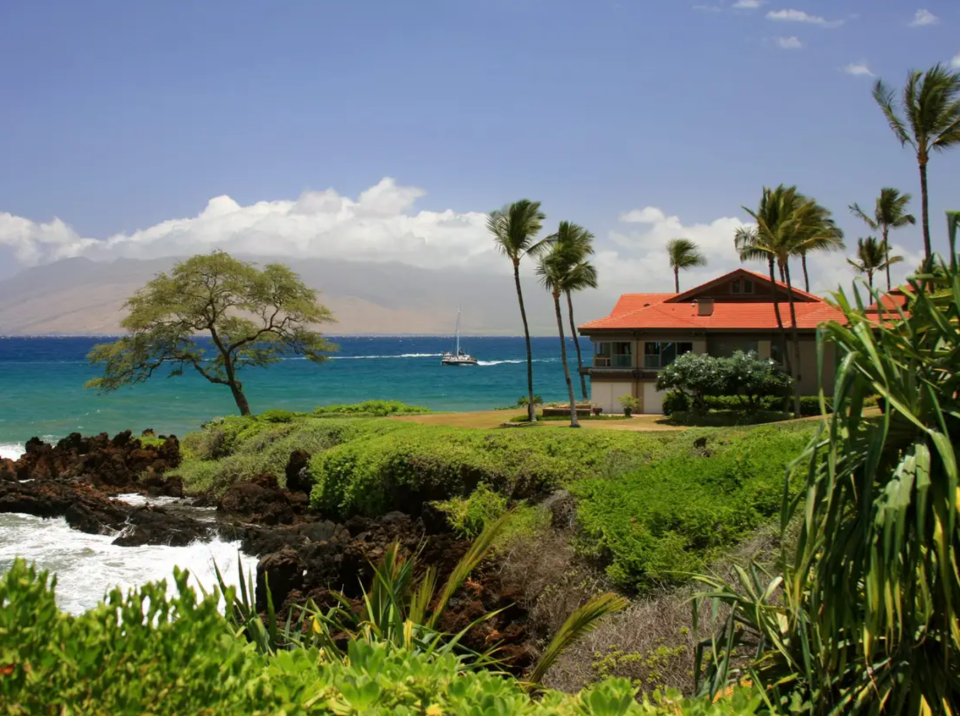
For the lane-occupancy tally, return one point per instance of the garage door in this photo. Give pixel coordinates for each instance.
(652, 399)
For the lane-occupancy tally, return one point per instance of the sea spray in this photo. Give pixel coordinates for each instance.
(88, 566)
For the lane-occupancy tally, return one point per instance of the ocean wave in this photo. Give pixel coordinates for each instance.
(486, 363)
(402, 355)
(88, 565)
(11, 451)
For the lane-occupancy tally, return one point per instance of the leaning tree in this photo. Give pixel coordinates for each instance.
(217, 315)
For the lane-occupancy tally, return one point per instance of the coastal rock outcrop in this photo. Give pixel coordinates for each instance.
(261, 501)
(112, 464)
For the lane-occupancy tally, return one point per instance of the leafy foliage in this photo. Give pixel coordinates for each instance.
(659, 524)
(863, 617)
(406, 464)
(684, 254)
(927, 118)
(254, 318)
(744, 375)
(147, 653)
(371, 409)
(873, 256)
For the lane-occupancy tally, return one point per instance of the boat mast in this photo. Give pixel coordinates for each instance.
(458, 330)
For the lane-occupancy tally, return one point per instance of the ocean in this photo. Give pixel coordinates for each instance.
(42, 393)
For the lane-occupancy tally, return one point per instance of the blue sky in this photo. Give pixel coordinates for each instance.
(118, 116)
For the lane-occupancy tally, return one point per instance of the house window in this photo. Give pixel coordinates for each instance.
(662, 353)
(744, 286)
(725, 346)
(615, 354)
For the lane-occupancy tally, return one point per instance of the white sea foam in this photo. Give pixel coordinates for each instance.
(88, 566)
(11, 451)
(136, 500)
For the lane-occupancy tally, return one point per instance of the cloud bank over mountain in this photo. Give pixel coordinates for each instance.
(383, 264)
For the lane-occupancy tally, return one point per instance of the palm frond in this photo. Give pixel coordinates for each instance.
(685, 254)
(884, 96)
(577, 625)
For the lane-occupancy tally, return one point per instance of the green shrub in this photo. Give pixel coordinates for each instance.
(412, 464)
(371, 409)
(727, 418)
(277, 416)
(743, 375)
(469, 516)
(146, 653)
(238, 449)
(675, 401)
(659, 524)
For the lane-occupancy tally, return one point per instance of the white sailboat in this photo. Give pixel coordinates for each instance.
(458, 357)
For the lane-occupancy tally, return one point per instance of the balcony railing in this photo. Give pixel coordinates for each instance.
(621, 361)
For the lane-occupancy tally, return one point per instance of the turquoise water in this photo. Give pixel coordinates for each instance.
(42, 394)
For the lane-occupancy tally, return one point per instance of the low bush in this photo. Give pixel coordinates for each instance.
(727, 418)
(744, 375)
(147, 653)
(469, 516)
(675, 401)
(412, 464)
(237, 449)
(371, 409)
(661, 523)
(566, 418)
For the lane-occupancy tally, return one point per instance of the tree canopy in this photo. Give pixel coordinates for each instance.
(253, 318)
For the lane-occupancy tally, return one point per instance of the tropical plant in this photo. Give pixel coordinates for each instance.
(819, 232)
(873, 256)
(862, 617)
(889, 213)
(563, 270)
(403, 607)
(684, 254)
(629, 403)
(578, 243)
(253, 317)
(515, 228)
(927, 118)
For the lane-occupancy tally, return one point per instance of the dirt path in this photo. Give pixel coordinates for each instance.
(488, 419)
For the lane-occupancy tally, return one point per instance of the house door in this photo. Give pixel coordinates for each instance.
(652, 399)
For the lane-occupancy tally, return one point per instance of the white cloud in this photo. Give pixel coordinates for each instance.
(748, 4)
(924, 18)
(380, 225)
(956, 62)
(789, 43)
(859, 69)
(708, 8)
(801, 16)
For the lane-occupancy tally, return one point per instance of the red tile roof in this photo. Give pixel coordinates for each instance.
(648, 311)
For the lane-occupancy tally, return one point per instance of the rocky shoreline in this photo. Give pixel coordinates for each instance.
(303, 556)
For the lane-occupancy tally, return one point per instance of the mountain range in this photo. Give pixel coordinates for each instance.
(79, 296)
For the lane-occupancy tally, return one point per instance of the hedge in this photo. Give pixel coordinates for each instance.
(405, 467)
(147, 653)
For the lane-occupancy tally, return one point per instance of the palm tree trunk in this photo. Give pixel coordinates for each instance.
(576, 342)
(806, 276)
(796, 344)
(676, 279)
(870, 281)
(925, 208)
(531, 408)
(563, 357)
(783, 331)
(886, 255)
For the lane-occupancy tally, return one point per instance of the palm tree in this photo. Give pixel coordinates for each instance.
(930, 106)
(890, 213)
(514, 230)
(579, 243)
(873, 256)
(556, 274)
(684, 254)
(760, 243)
(788, 224)
(821, 234)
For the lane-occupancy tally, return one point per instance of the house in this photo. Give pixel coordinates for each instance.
(736, 312)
